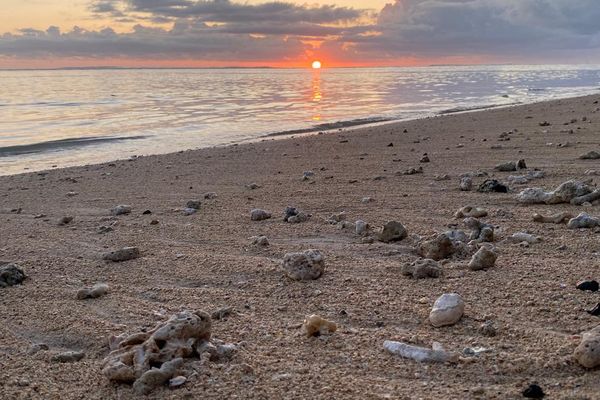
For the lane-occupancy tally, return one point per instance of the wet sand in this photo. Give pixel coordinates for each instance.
(205, 262)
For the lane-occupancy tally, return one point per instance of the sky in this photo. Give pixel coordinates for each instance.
(287, 33)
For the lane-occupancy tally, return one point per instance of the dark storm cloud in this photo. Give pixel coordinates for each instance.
(549, 30)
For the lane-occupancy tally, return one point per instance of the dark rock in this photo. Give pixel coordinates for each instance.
(124, 254)
(393, 231)
(533, 391)
(10, 275)
(595, 311)
(147, 212)
(591, 286)
(289, 212)
(492, 185)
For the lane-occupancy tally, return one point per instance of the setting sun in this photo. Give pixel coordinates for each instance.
(316, 64)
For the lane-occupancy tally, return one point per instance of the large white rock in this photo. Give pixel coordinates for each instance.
(588, 352)
(447, 310)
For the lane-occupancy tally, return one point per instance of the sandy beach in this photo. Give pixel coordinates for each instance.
(206, 261)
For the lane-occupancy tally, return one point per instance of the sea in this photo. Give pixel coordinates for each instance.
(58, 118)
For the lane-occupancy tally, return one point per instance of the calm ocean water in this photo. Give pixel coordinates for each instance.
(73, 117)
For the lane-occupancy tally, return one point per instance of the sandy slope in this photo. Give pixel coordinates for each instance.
(205, 262)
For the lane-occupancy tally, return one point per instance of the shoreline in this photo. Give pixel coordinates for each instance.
(325, 128)
(206, 261)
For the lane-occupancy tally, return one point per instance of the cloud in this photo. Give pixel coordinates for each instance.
(493, 30)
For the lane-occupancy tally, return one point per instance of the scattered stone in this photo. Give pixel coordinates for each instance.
(393, 231)
(522, 179)
(470, 211)
(337, 218)
(448, 309)
(366, 200)
(420, 354)
(586, 198)
(307, 175)
(65, 220)
(520, 237)
(194, 204)
(253, 186)
(590, 155)
(437, 248)
(209, 195)
(488, 329)
(361, 227)
(298, 218)
(121, 210)
(177, 381)
(533, 391)
(492, 185)
(150, 359)
(38, 216)
(466, 184)
(124, 254)
(259, 215)
(558, 218)
(424, 159)
(189, 211)
(68, 357)
(308, 265)
(104, 229)
(443, 177)
(147, 212)
(316, 325)
(423, 268)
(583, 220)
(506, 167)
(36, 348)
(480, 231)
(11, 275)
(545, 123)
(154, 222)
(564, 193)
(259, 241)
(595, 311)
(98, 290)
(413, 171)
(484, 258)
(521, 164)
(589, 285)
(222, 313)
(588, 352)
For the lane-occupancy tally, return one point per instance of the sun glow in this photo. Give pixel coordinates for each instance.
(316, 65)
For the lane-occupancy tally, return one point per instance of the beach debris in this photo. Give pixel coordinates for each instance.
(533, 391)
(492, 185)
(466, 184)
(150, 359)
(488, 328)
(337, 218)
(392, 231)
(587, 352)
(436, 354)
(484, 258)
(177, 381)
(413, 171)
(470, 211)
(423, 268)
(521, 237)
(424, 159)
(438, 248)
(65, 220)
(586, 198)
(68, 357)
(448, 309)
(595, 311)
(588, 285)
(564, 193)
(124, 254)
(193, 204)
(121, 210)
(315, 325)
(259, 241)
(511, 166)
(98, 290)
(558, 218)
(361, 227)
(480, 231)
(307, 265)
(583, 220)
(252, 186)
(522, 179)
(294, 216)
(590, 155)
(259, 215)
(11, 274)
(222, 313)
